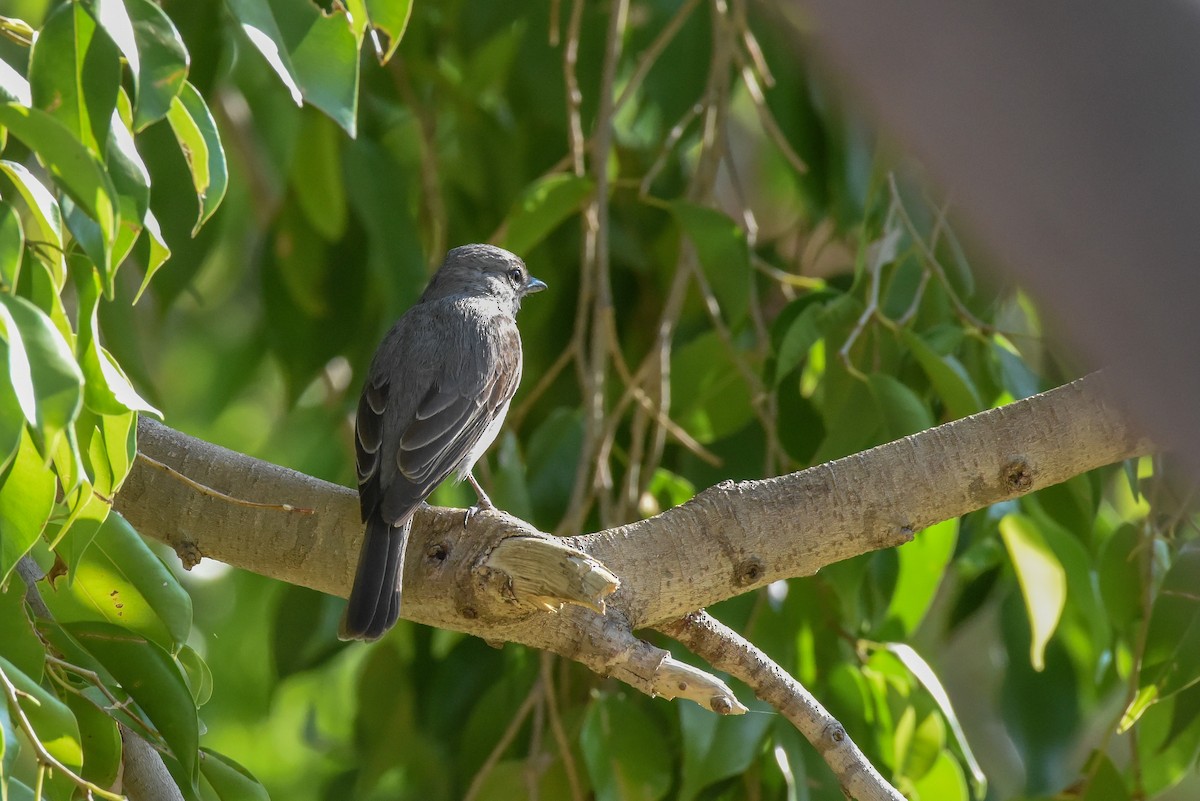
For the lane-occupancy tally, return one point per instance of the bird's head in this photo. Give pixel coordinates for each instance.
(483, 270)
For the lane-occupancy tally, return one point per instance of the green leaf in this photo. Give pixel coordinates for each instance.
(163, 64)
(100, 738)
(51, 718)
(391, 17)
(26, 500)
(152, 679)
(922, 563)
(75, 168)
(724, 255)
(715, 747)
(1171, 662)
(228, 779)
(71, 541)
(196, 131)
(18, 642)
(316, 176)
(541, 208)
(132, 182)
(943, 782)
(196, 671)
(12, 246)
(709, 395)
(106, 389)
(119, 580)
(1103, 781)
(114, 19)
(802, 333)
(74, 74)
(620, 748)
(156, 249)
(12, 419)
(43, 371)
(902, 411)
(324, 52)
(314, 54)
(923, 673)
(43, 222)
(1042, 579)
(948, 376)
(258, 23)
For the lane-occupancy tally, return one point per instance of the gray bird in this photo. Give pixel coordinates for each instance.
(434, 400)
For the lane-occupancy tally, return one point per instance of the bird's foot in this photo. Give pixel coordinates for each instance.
(485, 503)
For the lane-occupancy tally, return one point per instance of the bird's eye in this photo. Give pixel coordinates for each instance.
(514, 275)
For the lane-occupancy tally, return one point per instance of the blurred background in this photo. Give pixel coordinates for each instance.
(746, 277)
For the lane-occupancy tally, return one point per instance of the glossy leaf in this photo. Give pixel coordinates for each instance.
(118, 579)
(1041, 577)
(43, 225)
(925, 674)
(258, 23)
(943, 782)
(26, 500)
(324, 52)
(541, 208)
(74, 73)
(12, 246)
(316, 176)
(76, 169)
(196, 131)
(723, 253)
(390, 17)
(163, 62)
(152, 679)
(13, 86)
(157, 251)
(43, 371)
(132, 182)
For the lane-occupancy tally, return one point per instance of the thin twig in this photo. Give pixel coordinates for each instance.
(506, 739)
(44, 757)
(206, 490)
(652, 53)
(547, 661)
(431, 185)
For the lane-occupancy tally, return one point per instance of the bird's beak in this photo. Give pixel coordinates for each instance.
(534, 285)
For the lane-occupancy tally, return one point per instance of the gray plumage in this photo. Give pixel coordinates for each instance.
(435, 398)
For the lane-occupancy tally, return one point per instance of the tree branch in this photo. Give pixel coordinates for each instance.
(475, 577)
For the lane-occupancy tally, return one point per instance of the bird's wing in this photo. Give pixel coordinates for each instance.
(435, 438)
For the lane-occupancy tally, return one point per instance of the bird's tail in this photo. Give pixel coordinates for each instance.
(375, 598)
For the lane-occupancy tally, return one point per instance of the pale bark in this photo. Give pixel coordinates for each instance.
(729, 539)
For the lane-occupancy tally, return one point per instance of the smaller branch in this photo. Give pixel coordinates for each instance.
(44, 757)
(652, 53)
(144, 776)
(727, 650)
(175, 474)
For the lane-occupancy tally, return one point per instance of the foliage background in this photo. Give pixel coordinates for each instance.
(781, 284)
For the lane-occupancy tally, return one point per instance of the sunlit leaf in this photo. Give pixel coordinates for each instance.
(18, 642)
(119, 580)
(12, 246)
(13, 86)
(923, 673)
(922, 563)
(157, 251)
(944, 781)
(50, 717)
(43, 223)
(47, 380)
(101, 740)
(902, 411)
(163, 65)
(1041, 577)
(74, 74)
(196, 131)
(75, 168)
(258, 23)
(390, 17)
